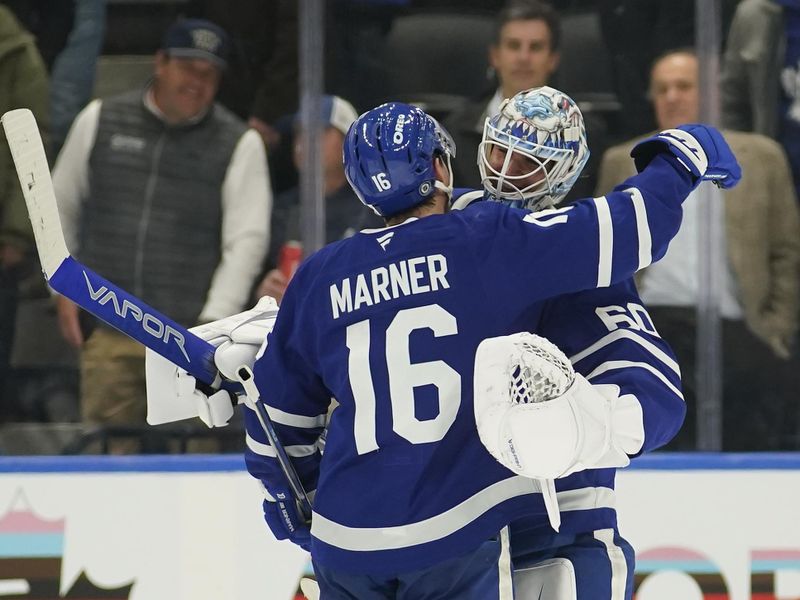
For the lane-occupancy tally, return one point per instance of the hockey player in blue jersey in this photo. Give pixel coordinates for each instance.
(387, 322)
(532, 152)
(615, 236)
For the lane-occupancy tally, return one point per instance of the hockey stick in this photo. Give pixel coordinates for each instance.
(103, 299)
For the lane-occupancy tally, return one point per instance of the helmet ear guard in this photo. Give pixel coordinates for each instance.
(541, 127)
(389, 155)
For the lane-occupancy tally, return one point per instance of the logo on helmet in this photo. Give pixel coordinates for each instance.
(398, 129)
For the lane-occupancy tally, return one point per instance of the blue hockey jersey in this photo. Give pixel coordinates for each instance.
(387, 323)
(610, 339)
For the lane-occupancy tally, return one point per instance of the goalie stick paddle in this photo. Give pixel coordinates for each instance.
(103, 299)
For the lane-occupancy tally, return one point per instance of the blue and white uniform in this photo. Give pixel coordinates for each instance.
(387, 323)
(610, 339)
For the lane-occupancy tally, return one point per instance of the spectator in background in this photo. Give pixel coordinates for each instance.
(760, 83)
(759, 299)
(23, 83)
(73, 70)
(344, 214)
(165, 193)
(524, 54)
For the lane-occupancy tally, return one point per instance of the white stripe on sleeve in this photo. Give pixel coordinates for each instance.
(293, 420)
(263, 449)
(642, 228)
(606, 242)
(624, 364)
(628, 334)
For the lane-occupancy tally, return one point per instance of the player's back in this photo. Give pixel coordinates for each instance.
(387, 322)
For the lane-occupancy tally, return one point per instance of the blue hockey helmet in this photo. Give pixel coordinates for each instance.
(388, 157)
(543, 130)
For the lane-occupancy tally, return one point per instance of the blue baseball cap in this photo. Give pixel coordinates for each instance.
(197, 38)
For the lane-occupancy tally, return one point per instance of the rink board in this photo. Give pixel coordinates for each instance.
(190, 527)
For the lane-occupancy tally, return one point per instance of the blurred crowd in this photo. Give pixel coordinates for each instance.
(174, 142)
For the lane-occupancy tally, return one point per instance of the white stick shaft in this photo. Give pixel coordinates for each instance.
(30, 160)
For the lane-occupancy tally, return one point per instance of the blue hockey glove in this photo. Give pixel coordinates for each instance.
(285, 521)
(699, 148)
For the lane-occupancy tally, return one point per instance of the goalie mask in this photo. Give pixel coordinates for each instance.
(388, 157)
(534, 149)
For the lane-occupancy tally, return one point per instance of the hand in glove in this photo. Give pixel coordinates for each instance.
(283, 517)
(173, 394)
(701, 149)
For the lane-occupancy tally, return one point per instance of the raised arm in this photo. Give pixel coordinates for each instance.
(598, 242)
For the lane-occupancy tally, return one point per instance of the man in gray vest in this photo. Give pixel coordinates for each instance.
(167, 194)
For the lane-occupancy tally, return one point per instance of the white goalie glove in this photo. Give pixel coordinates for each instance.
(542, 420)
(173, 394)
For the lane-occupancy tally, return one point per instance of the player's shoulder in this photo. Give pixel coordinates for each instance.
(618, 293)
(486, 216)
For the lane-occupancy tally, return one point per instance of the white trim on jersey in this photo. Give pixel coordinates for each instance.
(366, 539)
(292, 420)
(616, 558)
(628, 334)
(505, 570)
(263, 449)
(606, 242)
(642, 227)
(586, 498)
(624, 364)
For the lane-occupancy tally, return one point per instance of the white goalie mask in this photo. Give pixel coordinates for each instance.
(534, 149)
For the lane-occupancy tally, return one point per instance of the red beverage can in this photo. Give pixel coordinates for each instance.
(289, 258)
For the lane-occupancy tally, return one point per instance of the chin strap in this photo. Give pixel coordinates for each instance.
(447, 188)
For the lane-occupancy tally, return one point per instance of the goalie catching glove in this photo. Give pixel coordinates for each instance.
(699, 148)
(174, 395)
(542, 420)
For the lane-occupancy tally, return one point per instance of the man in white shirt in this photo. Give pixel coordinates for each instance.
(759, 238)
(167, 194)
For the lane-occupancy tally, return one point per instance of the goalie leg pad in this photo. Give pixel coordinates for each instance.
(553, 578)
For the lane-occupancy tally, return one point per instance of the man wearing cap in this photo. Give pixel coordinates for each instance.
(344, 214)
(166, 193)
